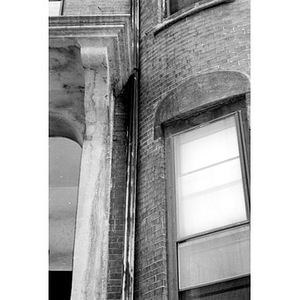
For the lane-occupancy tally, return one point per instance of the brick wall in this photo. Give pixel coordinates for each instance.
(217, 38)
(96, 7)
(118, 194)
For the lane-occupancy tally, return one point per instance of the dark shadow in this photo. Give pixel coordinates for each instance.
(60, 283)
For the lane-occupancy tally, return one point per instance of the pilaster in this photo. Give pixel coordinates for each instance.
(92, 225)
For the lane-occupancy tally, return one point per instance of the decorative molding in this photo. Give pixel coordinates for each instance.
(112, 34)
(197, 94)
(112, 31)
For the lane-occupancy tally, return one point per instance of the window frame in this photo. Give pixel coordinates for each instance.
(238, 107)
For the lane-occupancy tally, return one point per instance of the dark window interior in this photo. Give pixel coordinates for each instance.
(237, 289)
(60, 285)
(176, 5)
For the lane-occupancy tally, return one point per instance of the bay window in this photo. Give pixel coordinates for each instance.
(209, 230)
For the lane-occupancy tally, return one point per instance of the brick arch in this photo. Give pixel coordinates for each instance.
(199, 93)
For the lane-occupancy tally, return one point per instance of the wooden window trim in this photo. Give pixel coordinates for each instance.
(190, 123)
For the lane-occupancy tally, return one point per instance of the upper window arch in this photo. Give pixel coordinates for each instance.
(199, 93)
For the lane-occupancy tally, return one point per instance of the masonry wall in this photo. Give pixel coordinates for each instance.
(217, 38)
(118, 195)
(96, 7)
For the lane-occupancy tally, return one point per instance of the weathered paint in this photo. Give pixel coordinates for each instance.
(99, 48)
(91, 238)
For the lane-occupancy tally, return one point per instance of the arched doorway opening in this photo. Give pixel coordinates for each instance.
(64, 168)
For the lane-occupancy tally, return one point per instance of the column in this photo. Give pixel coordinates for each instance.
(92, 224)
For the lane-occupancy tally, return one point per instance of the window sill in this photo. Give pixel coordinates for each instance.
(190, 10)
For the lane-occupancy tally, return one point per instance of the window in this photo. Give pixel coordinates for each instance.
(173, 6)
(210, 231)
(176, 5)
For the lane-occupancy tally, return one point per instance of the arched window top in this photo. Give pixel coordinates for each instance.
(199, 93)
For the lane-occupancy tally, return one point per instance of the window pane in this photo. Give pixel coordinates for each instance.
(205, 146)
(204, 180)
(213, 207)
(209, 186)
(176, 5)
(215, 257)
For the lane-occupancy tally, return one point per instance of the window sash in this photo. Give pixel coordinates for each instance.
(234, 157)
(217, 257)
(241, 158)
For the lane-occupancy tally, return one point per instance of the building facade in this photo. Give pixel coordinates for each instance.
(157, 94)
